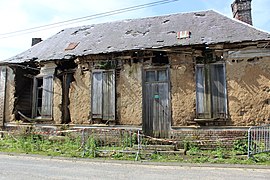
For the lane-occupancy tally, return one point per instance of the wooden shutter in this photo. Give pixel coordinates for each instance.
(47, 97)
(108, 102)
(218, 90)
(103, 94)
(200, 91)
(211, 97)
(203, 91)
(3, 72)
(97, 94)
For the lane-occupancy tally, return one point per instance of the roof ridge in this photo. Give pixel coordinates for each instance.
(142, 18)
(241, 22)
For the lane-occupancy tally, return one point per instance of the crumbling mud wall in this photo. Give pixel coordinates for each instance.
(129, 95)
(80, 97)
(10, 98)
(57, 101)
(248, 82)
(182, 89)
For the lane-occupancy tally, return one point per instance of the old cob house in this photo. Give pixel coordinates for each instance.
(199, 68)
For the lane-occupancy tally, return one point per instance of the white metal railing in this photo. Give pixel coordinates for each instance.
(258, 139)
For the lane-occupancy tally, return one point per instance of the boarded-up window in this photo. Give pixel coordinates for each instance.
(2, 93)
(211, 95)
(43, 97)
(103, 94)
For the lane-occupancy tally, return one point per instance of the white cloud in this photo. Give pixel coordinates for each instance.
(21, 14)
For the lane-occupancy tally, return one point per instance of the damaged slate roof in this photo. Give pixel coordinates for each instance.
(205, 27)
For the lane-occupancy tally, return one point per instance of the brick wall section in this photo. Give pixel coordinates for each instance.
(209, 138)
(242, 10)
(205, 138)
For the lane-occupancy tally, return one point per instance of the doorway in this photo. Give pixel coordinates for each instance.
(156, 102)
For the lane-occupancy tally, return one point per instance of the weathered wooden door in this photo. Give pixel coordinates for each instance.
(156, 103)
(103, 94)
(3, 71)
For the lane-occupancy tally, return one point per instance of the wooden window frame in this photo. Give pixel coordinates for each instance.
(209, 103)
(44, 108)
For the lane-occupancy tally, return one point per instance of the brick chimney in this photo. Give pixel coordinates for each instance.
(35, 41)
(242, 10)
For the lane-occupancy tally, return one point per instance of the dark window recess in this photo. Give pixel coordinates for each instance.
(207, 57)
(160, 58)
(109, 64)
(66, 79)
(24, 92)
(42, 97)
(211, 95)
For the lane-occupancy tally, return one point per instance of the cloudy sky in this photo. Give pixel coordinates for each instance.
(24, 14)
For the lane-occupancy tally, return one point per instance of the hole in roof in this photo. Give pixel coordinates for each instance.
(128, 32)
(166, 21)
(81, 29)
(61, 31)
(171, 32)
(199, 14)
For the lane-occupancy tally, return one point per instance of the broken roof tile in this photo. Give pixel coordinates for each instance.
(71, 46)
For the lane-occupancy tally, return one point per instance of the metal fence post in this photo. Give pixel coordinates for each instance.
(249, 143)
(139, 146)
(83, 142)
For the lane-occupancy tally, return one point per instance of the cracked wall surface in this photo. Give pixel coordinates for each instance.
(129, 95)
(80, 97)
(248, 82)
(182, 89)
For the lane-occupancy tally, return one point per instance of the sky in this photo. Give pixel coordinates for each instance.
(23, 14)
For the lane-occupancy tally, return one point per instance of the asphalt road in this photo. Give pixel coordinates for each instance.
(38, 167)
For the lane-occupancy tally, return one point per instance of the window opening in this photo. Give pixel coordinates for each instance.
(42, 97)
(211, 93)
(39, 96)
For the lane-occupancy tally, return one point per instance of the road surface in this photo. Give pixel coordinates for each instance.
(38, 167)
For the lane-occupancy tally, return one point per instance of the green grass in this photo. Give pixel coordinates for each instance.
(72, 146)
